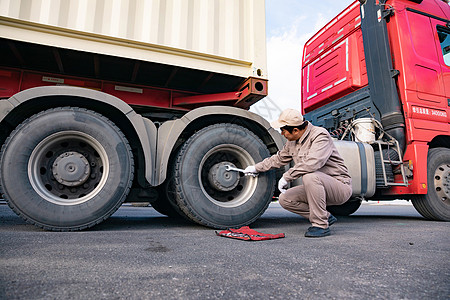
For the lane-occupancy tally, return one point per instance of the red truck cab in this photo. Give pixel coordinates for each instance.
(388, 61)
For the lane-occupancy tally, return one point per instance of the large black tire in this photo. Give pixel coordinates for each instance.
(210, 195)
(166, 203)
(163, 206)
(435, 205)
(66, 169)
(345, 209)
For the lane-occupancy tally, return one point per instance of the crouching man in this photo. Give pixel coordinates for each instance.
(326, 180)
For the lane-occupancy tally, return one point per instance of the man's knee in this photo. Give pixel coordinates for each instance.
(283, 201)
(311, 178)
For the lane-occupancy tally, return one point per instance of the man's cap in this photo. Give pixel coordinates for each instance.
(288, 117)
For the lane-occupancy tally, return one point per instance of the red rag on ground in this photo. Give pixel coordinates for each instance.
(247, 234)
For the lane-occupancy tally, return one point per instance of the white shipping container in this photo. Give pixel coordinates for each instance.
(222, 36)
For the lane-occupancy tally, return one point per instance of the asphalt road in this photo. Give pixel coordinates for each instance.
(381, 252)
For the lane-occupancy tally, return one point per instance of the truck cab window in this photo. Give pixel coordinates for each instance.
(444, 39)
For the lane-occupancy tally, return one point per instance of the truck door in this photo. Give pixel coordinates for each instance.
(427, 66)
(428, 76)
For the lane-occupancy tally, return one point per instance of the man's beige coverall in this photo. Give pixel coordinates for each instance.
(326, 180)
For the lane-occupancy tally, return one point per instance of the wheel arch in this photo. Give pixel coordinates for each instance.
(140, 131)
(440, 141)
(172, 134)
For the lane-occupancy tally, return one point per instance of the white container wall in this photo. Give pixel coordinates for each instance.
(224, 36)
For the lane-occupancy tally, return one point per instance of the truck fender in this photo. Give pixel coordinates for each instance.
(144, 128)
(170, 132)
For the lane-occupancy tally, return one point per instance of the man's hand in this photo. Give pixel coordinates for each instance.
(282, 185)
(250, 170)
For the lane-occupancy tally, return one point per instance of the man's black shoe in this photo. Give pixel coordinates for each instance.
(317, 232)
(331, 220)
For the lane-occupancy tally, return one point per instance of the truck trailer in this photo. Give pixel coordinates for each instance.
(105, 102)
(378, 78)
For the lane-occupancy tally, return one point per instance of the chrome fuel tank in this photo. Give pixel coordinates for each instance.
(360, 161)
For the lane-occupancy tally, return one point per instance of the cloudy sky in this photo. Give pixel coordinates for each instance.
(289, 24)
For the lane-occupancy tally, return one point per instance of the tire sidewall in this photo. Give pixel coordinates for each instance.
(27, 202)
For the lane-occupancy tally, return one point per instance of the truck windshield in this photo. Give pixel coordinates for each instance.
(444, 39)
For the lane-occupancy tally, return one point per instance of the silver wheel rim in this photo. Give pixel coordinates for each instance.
(238, 157)
(73, 148)
(442, 183)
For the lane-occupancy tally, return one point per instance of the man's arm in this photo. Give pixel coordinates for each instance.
(320, 151)
(277, 160)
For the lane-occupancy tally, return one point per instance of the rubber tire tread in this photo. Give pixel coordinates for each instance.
(166, 203)
(345, 209)
(182, 201)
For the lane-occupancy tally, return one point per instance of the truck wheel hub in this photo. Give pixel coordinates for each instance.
(221, 179)
(71, 169)
(442, 183)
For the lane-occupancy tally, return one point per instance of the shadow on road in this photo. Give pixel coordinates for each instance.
(145, 218)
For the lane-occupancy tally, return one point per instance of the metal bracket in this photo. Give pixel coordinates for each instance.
(387, 13)
(399, 162)
(395, 73)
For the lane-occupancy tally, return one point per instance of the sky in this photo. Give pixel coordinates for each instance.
(289, 24)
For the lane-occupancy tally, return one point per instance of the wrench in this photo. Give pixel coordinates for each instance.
(230, 168)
